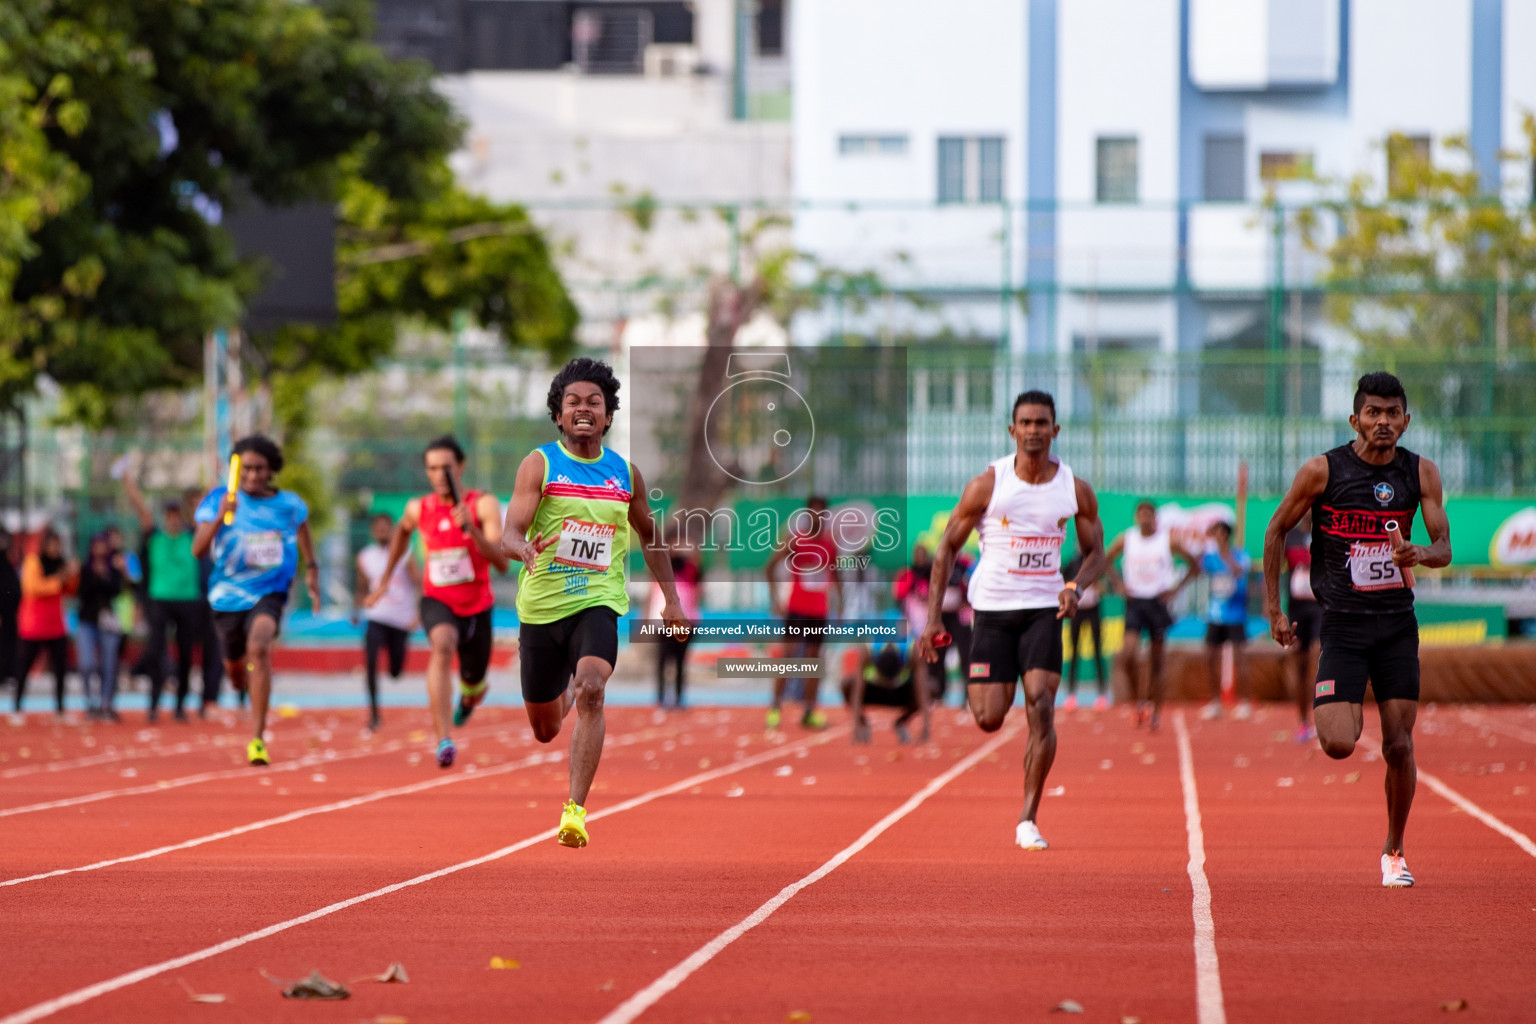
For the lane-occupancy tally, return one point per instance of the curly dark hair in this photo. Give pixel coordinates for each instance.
(1380, 384)
(263, 446)
(593, 371)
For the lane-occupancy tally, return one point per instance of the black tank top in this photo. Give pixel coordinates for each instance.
(1352, 568)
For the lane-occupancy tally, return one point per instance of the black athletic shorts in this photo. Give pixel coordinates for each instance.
(1218, 633)
(234, 628)
(474, 636)
(1005, 645)
(803, 623)
(1147, 615)
(1308, 619)
(903, 696)
(548, 652)
(1381, 648)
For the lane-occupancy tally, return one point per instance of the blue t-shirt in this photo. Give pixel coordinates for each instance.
(259, 554)
(1229, 596)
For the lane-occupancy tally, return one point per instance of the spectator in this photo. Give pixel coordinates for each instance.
(1087, 614)
(688, 573)
(10, 602)
(1226, 618)
(890, 678)
(46, 577)
(393, 616)
(99, 638)
(173, 597)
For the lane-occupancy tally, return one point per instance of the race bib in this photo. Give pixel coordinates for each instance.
(1223, 586)
(1145, 575)
(1036, 556)
(447, 566)
(586, 546)
(1371, 567)
(264, 549)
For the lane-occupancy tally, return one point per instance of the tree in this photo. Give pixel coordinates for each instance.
(1437, 277)
(182, 107)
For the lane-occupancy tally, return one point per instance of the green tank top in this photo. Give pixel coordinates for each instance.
(173, 569)
(585, 502)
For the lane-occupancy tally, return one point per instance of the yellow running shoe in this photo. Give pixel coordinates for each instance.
(256, 752)
(775, 716)
(814, 720)
(573, 826)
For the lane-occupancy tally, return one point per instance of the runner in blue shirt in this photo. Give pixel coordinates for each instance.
(1226, 617)
(254, 562)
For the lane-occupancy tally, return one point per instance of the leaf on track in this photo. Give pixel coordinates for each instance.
(202, 997)
(316, 986)
(1130, 1020)
(798, 1016)
(1352, 777)
(388, 1018)
(1068, 1006)
(503, 964)
(395, 972)
(735, 791)
(1454, 1005)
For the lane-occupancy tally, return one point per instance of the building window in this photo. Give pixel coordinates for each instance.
(1404, 153)
(1224, 178)
(770, 28)
(1116, 170)
(872, 145)
(1286, 165)
(971, 169)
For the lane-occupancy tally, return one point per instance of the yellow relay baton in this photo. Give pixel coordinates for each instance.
(234, 486)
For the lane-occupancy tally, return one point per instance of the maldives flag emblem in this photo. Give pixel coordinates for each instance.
(980, 669)
(1325, 688)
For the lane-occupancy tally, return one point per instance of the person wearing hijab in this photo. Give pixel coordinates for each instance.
(46, 577)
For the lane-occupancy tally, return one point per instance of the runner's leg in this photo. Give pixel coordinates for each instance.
(588, 686)
(1040, 751)
(258, 655)
(1397, 720)
(444, 641)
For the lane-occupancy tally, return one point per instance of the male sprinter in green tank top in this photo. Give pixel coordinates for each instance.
(572, 508)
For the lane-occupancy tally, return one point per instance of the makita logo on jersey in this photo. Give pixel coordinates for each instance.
(1383, 492)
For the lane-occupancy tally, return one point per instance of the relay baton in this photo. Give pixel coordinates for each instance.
(1395, 536)
(234, 486)
(943, 640)
(453, 494)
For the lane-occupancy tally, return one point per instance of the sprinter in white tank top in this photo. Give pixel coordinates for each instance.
(1021, 505)
(1146, 578)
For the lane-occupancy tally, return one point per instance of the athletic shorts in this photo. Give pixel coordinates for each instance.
(234, 628)
(548, 652)
(1147, 615)
(474, 636)
(803, 622)
(1308, 618)
(1005, 645)
(1383, 649)
(903, 696)
(1218, 633)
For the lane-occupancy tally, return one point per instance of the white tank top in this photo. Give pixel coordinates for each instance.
(1021, 536)
(1147, 563)
(398, 605)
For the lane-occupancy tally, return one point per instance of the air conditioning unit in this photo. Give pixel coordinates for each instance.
(671, 60)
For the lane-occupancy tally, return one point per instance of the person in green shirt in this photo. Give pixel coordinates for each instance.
(573, 507)
(173, 592)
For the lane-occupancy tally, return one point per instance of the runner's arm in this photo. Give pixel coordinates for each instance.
(202, 536)
(1090, 544)
(526, 492)
(399, 544)
(1310, 481)
(488, 537)
(1112, 571)
(311, 567)
(360, 599)
(656, 557)
(1191, 570)
(770, 571)
(967, 513)
(1437, 553)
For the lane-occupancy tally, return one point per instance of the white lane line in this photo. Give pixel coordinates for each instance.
(308, 761)
(1210, 1007)
(1514, 835)
(101, 988)
(647, 997)
(340, 805)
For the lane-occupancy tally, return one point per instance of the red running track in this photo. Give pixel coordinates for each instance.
(738, 876)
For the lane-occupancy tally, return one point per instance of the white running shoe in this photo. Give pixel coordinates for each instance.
(1394, 872)
(1211, 710)
(1029, 837)
(1243, 711)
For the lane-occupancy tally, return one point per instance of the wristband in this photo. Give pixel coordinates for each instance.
(1070, 585)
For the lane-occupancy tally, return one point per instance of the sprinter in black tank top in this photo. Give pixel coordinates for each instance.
(1357, 493)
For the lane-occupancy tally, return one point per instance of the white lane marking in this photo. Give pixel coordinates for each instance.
(1514, 835)
(647, 997)
(1210, 1007)
(308, 761)
(101, 988)
(340, 805)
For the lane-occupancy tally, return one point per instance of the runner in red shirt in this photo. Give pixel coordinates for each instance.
(810, 557)
(462, 541)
